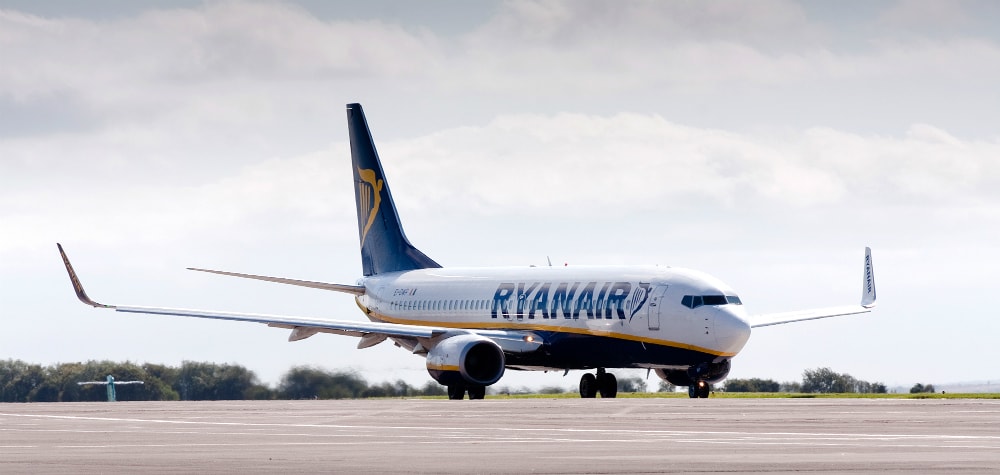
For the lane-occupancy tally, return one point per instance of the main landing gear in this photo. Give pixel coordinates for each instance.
(699, 389)
(604, 383)
(457, 391)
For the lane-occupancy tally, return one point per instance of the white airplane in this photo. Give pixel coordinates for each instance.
(473, 323)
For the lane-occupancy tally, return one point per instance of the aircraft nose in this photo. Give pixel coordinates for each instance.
(731, 329)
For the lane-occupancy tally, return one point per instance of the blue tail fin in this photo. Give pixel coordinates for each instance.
(384, 247)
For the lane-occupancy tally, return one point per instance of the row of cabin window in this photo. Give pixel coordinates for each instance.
(441, 305)
(695, 301)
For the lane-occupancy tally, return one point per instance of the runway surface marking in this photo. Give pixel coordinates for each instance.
(479, 434)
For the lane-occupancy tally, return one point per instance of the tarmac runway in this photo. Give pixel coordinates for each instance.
(504, 436)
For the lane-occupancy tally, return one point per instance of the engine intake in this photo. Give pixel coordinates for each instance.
(466, 359)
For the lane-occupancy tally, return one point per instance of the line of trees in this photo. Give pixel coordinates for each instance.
(819, 380)
(192, 381)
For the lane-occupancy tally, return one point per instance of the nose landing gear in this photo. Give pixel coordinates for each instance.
(700, 389)
(604, 383)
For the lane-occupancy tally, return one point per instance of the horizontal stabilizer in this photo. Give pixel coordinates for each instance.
(350, 289)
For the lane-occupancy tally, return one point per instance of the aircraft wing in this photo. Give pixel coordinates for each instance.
(867, 303)
(304, 327)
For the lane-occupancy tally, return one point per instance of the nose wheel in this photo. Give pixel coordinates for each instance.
(604, 383)
(700, 389)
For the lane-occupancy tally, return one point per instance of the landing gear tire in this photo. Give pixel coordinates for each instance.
(456, 392)
(700, 389)
(477, 392)
(608, 384)
(604, 383)
(588, 386)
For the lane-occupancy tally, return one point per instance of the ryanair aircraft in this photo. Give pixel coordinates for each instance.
(471, 324)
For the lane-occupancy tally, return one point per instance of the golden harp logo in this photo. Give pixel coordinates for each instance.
(369, 197)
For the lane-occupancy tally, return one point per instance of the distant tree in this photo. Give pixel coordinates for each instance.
(214, 382)
(507, 390)
(633, 384)
(18, 379)
(551, 390)
(790, 387)
(397, 389)
(752, 385)
(167, 374)
(920, 388)
(825, 380)
(303, 382)
(666, 387)
(432, 388)
(866, 387)
(163, 378)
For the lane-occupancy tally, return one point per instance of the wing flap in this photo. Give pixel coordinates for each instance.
(344, 326)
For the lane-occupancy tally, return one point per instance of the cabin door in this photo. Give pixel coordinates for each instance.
(653, 309)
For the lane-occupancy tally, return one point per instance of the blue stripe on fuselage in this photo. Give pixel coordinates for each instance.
(575, 351)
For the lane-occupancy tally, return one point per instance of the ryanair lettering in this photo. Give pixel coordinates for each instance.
(868, 273)
(570, 300)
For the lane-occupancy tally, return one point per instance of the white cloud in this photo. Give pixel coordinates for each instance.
(743, 139)
(922, 15)
(574, 165)
(539, 163)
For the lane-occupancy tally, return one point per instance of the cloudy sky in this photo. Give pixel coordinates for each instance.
(763, 142)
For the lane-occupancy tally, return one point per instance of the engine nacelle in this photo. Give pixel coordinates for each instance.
(466, 359)
(711, 373)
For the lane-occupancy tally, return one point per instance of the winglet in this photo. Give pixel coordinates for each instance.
(868, 284)
(77, 286)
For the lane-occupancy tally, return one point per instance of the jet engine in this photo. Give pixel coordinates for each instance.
(466, 360)
(710, 373)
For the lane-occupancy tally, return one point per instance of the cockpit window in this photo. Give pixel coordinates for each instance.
(714, 299)
(695, 301)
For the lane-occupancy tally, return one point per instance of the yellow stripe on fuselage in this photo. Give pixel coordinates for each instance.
(510, 325)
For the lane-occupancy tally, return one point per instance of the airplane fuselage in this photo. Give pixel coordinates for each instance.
(588, 317)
